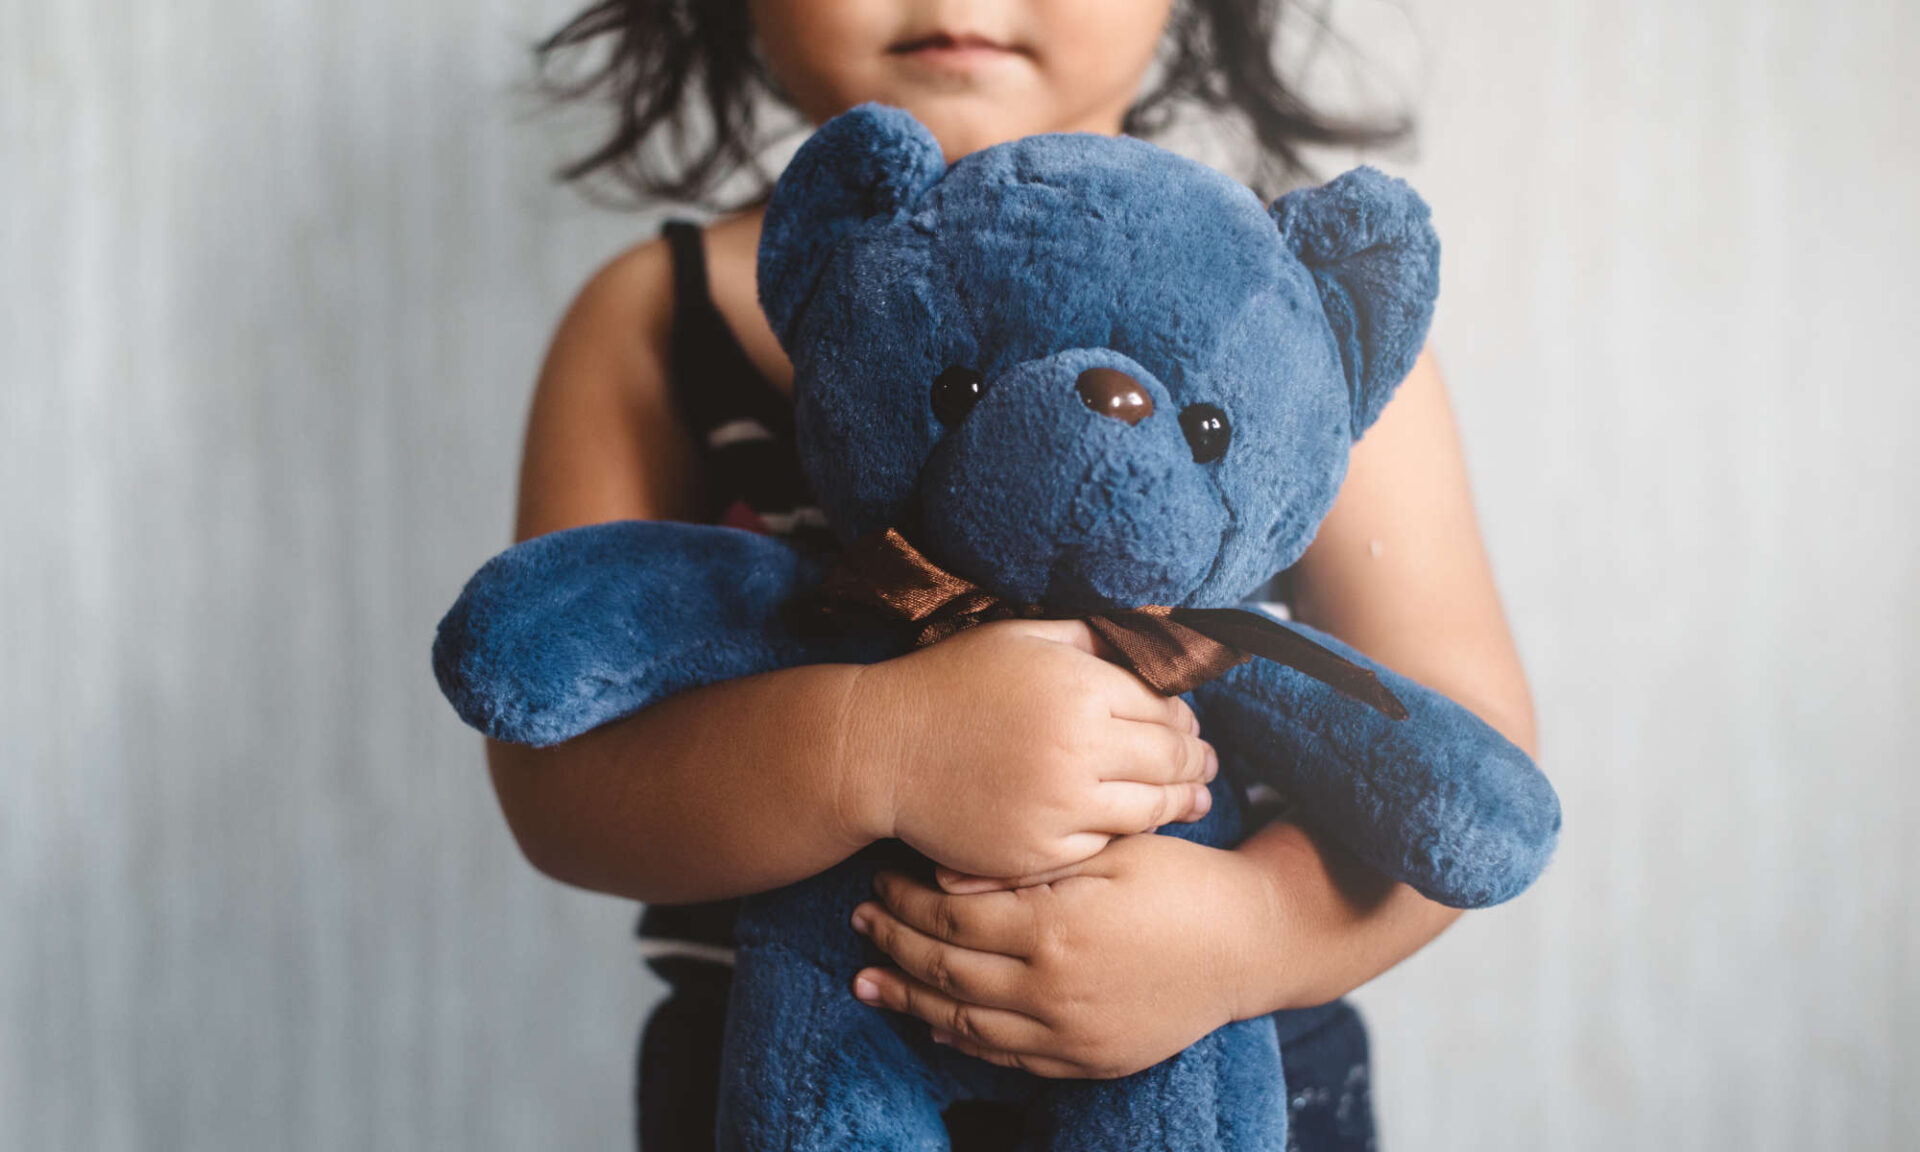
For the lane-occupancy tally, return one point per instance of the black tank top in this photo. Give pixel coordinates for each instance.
(744, 425)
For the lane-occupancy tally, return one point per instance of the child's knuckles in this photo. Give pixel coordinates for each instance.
(1167, 801)
(1019, 1060)
(894, 994)
(880, 931)
(918, 1000)
(1200, 755)
(947, 921)
(896, 940)
(962, 1020)
(1161, 751)
(993, 1055)
(937, 970)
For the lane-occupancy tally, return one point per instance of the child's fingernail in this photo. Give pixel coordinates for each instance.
(940, 1037)
(1213, 764)
(865, 990)
(862, 920)
(952, 881)
(1202, 801)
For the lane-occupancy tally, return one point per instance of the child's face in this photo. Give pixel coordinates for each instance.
(976, 72)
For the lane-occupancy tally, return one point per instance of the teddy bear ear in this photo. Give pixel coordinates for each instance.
(1375, 258)
(866, 162)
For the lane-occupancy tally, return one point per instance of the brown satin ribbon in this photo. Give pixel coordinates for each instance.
(1173, 649)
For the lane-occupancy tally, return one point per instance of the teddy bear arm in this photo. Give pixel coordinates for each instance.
(1438, 800)
(566, 632)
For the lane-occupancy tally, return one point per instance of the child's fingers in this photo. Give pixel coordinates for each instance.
(1072, 633)
(1051, 1067)
(996, 1028)
(1129, 698)
(961, 884)
(1154, 776)
(1128, 808)
(985, 978)
(988, 922)
(1153, 754)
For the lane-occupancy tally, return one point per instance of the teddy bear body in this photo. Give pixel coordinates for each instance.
(1079, 372)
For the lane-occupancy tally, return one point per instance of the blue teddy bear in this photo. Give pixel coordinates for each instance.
(1074, 375)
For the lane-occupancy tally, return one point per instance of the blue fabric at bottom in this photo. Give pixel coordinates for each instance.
(1329, 1082)
(1324, 1049)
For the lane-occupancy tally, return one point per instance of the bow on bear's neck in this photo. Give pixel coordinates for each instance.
(1173, 649)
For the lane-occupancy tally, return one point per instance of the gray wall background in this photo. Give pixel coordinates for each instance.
(274, 280)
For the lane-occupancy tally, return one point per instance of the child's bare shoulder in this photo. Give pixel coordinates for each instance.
(625, 310)
(622, 313)
(602, 439)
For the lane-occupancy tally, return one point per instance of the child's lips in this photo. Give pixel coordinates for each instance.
(955, 50)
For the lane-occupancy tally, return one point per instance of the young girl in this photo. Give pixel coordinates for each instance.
(665, 395)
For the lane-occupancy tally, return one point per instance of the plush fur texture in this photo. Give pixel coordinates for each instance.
(1032, 263)
(568, 631)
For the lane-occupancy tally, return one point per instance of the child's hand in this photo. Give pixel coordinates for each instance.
(1012, 749)
(1143, 950)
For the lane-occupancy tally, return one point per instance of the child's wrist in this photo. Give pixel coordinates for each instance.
(871, 753)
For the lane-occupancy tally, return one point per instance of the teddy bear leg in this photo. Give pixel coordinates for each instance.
(1226, 1093)
(807, 1068)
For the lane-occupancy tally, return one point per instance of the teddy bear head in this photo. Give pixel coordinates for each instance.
(1081, 370)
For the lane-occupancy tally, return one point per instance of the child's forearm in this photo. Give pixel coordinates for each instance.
(1011, 749)
(735, 788)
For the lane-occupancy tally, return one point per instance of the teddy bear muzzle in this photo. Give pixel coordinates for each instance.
(1071, 483)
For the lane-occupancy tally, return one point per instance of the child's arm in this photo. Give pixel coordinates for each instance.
(1156, 941)
(750, 784)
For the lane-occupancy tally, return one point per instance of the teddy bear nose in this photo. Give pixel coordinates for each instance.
(1112, 392)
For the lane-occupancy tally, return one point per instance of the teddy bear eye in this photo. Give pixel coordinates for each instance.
(955, 392)
(1207, 432)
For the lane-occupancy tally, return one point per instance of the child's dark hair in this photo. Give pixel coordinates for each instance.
(667, 60)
